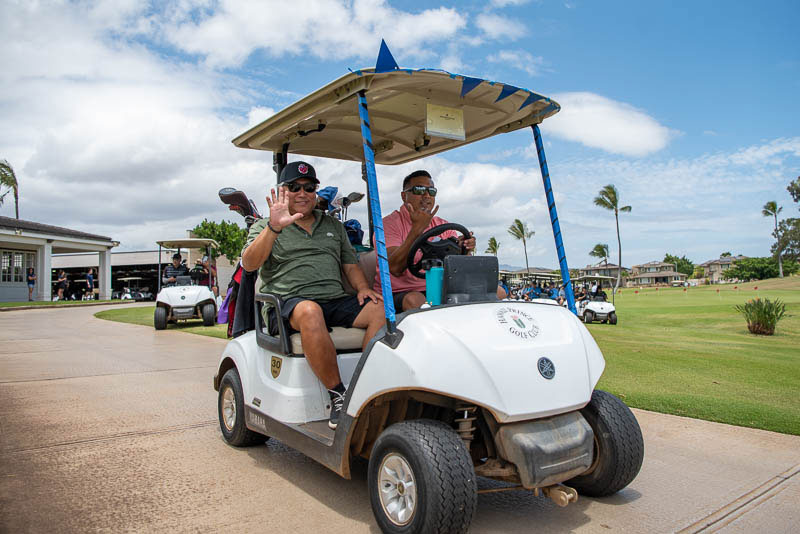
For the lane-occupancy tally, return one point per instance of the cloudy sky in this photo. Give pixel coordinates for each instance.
(117, 115)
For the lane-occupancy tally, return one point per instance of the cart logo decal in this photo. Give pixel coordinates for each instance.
(302, 168)
(517, 322)
(256, 402)
(546, 368)
(275, 366)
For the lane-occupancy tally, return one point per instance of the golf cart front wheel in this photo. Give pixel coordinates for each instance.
(209, 314)
(588, 316)
(230, 406)
(618, 447)
(612, 318)
(160, 318)
(421, 479)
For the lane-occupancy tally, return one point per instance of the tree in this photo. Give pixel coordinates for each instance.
(699, 272)
(9, 179)
(757, 269)
(771, 209)
(519, 230)
(608, 198)
(600, 251)
(230, 237)
(493, 247)
(794, 189)
(725, 255)
(787, 240)
(682, 265)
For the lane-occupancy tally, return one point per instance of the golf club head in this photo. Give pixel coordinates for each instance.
(355, 196)
(237, 201)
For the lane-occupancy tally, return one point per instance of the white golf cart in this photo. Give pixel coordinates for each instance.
(597, 307)
(185, 298)
(474, 387)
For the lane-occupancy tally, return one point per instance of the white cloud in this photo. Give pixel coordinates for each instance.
(519, 59)
(499, 27)
(329, 29)
(505, 3)
(599, 122)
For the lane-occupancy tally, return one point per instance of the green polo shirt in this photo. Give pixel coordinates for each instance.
(306, 265)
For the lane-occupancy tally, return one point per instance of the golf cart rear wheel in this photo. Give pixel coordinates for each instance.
(618, 447)
(612, 318)
(160, 318)
(421, 479)
(209, 314)
(588, 316)
(230, 406)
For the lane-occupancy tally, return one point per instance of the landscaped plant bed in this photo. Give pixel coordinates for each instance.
(762, 315)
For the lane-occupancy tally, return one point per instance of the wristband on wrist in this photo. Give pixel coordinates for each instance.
(273, 229)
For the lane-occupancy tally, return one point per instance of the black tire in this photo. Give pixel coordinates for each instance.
(234, 430)
(209, 314)
(588, 316)
(612, 318)
(444, 478)
(619, 448)
(160, 318)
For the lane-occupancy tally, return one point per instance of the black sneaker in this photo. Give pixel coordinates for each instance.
(337, 401)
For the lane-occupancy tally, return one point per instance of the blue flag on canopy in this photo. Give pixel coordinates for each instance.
(468, 84)
(386, 62)
(507, 91)
(533, 97)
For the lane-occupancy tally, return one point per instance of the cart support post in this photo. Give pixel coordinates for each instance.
(159, 270)
(375, 211)
(551, 207)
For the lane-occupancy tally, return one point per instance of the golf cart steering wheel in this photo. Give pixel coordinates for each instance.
(436, 250)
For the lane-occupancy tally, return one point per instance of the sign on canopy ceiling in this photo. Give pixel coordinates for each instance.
(443, 121)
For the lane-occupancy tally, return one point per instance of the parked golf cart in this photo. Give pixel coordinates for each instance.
(185, 298)
(472, 387)
(596, 308)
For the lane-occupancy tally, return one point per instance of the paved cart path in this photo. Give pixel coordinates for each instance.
(112, 427)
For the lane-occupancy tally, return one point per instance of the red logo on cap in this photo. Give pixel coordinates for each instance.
(302, 168)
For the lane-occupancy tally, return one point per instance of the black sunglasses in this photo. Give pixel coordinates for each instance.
(294, 187)
(421, 190)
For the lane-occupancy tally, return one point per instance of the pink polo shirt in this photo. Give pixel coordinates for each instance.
(396, 227)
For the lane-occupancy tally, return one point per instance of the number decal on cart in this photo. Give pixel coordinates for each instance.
(275, 367)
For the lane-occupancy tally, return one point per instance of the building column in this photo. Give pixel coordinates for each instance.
(104, 274)
(44, 269)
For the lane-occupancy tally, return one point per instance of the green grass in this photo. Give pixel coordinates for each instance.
(143, 315)
(689, 353)
(684, 353)
(58, 303)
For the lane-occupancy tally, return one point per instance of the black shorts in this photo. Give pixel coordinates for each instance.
(398, 299)
(339, 312)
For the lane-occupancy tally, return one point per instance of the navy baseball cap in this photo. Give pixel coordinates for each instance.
(296, 170)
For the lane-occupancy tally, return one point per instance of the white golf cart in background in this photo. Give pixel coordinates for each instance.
(474, 387)
(185, 298)
(597, 307)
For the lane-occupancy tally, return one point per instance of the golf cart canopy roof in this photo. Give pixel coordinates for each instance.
(188, 242)
(326, 123)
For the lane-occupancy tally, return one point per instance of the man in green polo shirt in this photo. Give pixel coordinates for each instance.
(300, 253)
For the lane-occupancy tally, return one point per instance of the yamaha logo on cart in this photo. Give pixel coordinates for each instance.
(517, 322)
(546, 368)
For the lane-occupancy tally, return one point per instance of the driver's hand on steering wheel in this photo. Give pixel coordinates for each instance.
(420, 219)
(467, 244)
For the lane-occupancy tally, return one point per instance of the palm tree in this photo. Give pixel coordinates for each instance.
(600, 250)
(771, 209)
(520, 231)
(493, 247)
(9, 179)
(608, 198)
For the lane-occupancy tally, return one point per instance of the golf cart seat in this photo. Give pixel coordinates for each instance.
(367, 262)
(344, 339)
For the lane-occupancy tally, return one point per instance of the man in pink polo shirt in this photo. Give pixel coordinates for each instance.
(401, 228)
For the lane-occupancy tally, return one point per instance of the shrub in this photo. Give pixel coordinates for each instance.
(762, 315)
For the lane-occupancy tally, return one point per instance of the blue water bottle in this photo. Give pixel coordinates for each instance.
(434, 278)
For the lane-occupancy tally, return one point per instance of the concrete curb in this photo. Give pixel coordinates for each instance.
(55, 305)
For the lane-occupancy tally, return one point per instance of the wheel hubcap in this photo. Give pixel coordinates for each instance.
(397, 489)
(228, 408)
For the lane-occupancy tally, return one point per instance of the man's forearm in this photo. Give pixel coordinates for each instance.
(259, 250)
(355, 276)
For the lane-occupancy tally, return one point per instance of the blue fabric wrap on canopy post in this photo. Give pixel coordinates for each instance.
(551, 207)
(375, 209)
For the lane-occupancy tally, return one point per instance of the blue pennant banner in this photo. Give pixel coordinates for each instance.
(533, 97)
(507, 91)
(386, 62)
(469, 84)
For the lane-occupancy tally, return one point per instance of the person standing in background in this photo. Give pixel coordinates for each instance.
(31, 283)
